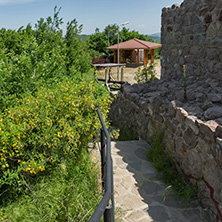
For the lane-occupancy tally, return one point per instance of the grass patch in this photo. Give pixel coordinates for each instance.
(164, 164)
(127, 134)
(68, 193)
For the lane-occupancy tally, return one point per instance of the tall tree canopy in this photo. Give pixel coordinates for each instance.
(31, 57)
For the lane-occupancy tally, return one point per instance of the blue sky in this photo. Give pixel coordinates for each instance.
(144, 15)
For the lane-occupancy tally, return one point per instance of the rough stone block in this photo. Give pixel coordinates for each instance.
(217, 152)
(194, 50)
(181, 114)
(194, 163)
(172, 107)
(208, 130)
(158, 117)
(169, 125)
(219, 142)
(210, 174)
(134, 97)
(191, 123)
(215, 98)
(218, 132)
(150, 109)
(204, 146)
(213, 112)
(190, 138)
(180, 147)
(204, 192)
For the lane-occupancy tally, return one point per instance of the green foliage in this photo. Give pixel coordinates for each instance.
(32, 58)
(127, 134)
(44, 128)
(111, 32)
(77, 58)
(98, 42)
(164, 163)
(47, 117)
(68, 193)
(126, 35)
(147, 74)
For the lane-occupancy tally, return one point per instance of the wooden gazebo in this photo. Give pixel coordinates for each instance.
(134, 51)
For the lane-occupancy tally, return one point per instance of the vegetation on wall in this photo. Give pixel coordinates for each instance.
(170, 175)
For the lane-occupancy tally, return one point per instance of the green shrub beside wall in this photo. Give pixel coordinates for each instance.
(42, 129)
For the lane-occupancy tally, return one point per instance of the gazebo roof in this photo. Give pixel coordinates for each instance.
(135, 44)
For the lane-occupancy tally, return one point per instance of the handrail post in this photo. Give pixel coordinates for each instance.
(112, 193)
(106, 205)
(108, 216)
(102, 153)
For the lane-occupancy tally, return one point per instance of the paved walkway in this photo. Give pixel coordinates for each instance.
(139, 194)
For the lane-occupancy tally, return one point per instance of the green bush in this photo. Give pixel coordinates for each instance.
(44, 128)
(31, 58)
(147, 74)
(47, 117)
(68, 193)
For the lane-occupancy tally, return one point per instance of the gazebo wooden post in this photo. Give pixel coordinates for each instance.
(145, 62)
(120, 56)
(152, 55)
(138, 57)
(115, 56)
(121, 74)
(131, 56)
(106, 76)
(124, 55)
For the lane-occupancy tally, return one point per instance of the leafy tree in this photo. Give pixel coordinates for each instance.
(126, 35)
(111, 32)
(98, 42)
(30, 58)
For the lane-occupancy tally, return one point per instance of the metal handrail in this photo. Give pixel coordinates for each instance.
(106, 205)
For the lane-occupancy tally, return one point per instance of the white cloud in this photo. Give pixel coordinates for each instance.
(14, 2)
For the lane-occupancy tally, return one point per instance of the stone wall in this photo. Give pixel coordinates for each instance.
(192, 36)
(192, 124)
(194, 142)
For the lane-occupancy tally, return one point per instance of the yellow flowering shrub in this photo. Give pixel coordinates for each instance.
(45, 127)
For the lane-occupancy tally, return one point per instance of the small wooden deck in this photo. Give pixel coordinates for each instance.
(110, 82)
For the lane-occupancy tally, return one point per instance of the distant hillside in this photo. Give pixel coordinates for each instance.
(155, 37)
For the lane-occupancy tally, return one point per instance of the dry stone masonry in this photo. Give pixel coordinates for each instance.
(192, 139)
(191, 36)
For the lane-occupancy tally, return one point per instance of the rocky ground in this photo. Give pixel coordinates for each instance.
(204, 97)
